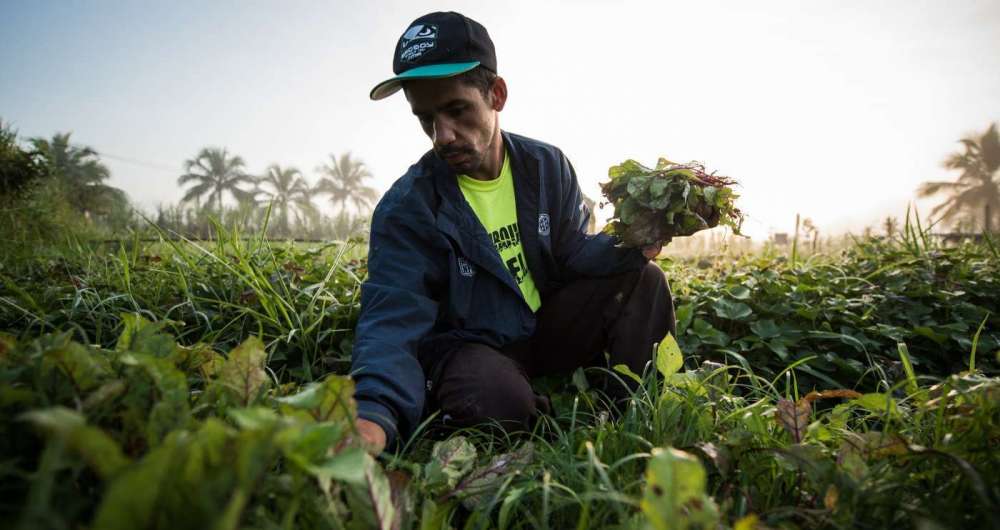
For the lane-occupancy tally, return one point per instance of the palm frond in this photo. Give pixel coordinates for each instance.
(990, 149)
(927, 189)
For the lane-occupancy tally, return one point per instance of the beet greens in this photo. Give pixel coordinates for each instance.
(655, 205)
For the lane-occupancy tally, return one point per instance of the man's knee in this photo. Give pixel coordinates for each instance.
(652, 277)
(652, 302)
(651, 288)
(481, 385)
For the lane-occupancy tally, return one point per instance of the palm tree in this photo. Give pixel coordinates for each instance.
(215, 173)
(977, 185)
(82, 173)
(18, 167)
(344, 180)
(288, 191)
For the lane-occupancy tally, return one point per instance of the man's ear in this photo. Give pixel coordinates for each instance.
(498, 94)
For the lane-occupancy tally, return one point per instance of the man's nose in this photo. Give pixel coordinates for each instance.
(443, 133)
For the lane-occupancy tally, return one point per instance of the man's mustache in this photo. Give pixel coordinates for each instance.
(446, 152)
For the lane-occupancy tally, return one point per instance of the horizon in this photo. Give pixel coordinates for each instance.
(865, 118)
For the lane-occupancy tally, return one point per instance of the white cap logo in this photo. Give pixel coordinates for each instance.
(417, 41)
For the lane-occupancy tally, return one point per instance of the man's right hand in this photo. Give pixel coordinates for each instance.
(372, 435)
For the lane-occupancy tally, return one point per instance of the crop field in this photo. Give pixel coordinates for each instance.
(205, 385)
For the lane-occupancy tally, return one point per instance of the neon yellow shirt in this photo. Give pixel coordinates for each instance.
(493, 202)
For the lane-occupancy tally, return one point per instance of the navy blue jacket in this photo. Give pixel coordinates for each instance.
(435, 278)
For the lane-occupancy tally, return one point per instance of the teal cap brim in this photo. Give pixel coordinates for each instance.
(432, 71)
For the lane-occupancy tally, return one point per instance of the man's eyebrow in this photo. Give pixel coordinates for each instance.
(446, 105)
(452, 103)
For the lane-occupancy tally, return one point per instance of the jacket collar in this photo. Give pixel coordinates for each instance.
(523, 164)
(456, 219)
(453, 206)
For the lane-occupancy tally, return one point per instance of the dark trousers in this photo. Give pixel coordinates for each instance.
(623, 315)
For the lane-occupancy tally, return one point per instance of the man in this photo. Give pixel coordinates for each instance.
(480, 272)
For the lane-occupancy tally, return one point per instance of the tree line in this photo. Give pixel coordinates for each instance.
(280, 201)
(51, 187)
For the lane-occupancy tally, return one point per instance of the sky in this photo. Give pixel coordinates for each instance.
(835, 110)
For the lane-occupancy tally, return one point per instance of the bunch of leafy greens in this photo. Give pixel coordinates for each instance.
(655, 205)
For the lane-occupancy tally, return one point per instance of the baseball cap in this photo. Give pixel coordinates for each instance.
(436, 45)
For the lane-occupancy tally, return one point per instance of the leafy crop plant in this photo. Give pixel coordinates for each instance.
(655, 205)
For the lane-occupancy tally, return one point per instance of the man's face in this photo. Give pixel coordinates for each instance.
(461, 122)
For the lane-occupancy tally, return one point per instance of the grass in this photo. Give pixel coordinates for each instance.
(856, 467)
(302, 300)
(96, 400)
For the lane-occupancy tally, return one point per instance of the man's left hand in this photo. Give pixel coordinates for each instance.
(651, 251)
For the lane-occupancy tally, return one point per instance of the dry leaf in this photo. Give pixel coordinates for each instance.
(794, 416)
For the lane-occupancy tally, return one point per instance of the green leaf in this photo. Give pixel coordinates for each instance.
(879, 404)
(740, 292)
(450, 461)
(97, 449)
(310, 443)
(925, 331)
(657, 187)
(485, 480)
(330, 400)
(872, 444)
(765, 329)
(809, 459)
(197, 357)
(104, 394)
(630, 209)
(435, 516)
(347, 466)
(911, 377)
(20, 397)
(779, 347)
(710, 194)
(674, 496)
(172, 409)
(231, 515)
(662, 163)
(689, 381)
(707, 333)
(579, 380)
(87, 369)
(975, 343)
(669, 358)
(371, 499)
(725, 308)
(626, 371)
(510, 501)
(852, 463)
(142, 336)
(254, 418)
(638, 185)
(243, 375)
(684, 314)
(402, 489)
(130, 501)
(207, 450)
